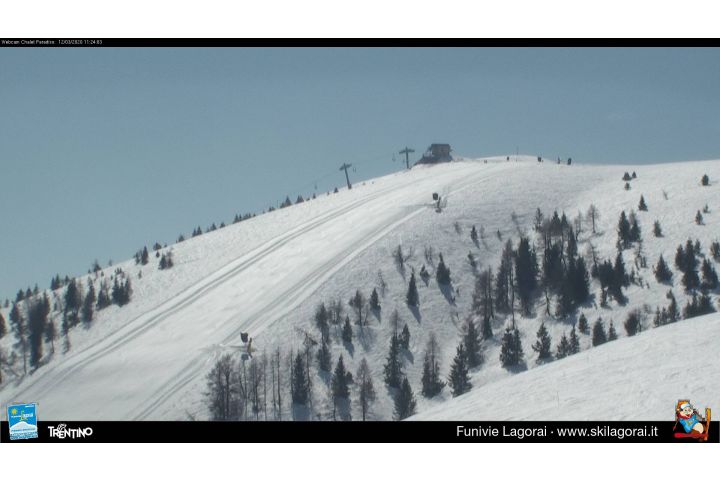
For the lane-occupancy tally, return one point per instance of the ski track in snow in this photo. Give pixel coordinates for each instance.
(50, 383)
(265, 277)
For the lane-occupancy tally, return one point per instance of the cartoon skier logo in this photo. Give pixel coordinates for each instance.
(689, 423)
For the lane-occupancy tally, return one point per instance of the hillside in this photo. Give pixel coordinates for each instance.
(266, 276)
(637, 378)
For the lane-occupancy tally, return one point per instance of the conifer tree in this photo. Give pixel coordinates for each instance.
(88, 308)
(673, 313)
(323, 357)
(705, 180)
(412, 298)
(699, 218)
(583, 324)
(374, 300)
(51, 335)
(3, 328)
(300, 385)
(642, 206)
(623, 230)
(19, 326)
(657, 230)
(563, 348)
(511, 351)
(38, 310)
(405, 338)
(612, 334)
(471, 342)
(431, 383)
(393, 369)
(710, 277)
(347, 332)
(662, 271)
(144, 257)
(322, 322)
(366, 389)
(543, 343)
(459, 380)
(574, 342)
(632, 323)
(405, 403)
(598, 333)
(339, 381)
(526, 271)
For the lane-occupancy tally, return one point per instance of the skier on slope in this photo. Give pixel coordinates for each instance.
(690, 419)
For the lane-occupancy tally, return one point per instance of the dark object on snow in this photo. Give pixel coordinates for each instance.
(244, 337)
(569, 161)
(436, 196)
(436, 153)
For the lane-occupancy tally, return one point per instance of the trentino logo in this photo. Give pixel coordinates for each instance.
(22, 419)
(61, 431)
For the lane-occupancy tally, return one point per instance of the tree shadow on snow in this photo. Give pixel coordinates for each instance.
(448, 292)
(415, 312)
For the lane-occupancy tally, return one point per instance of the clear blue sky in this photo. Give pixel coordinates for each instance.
(103, 151)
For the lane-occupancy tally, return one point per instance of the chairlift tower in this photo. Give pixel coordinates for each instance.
(345, 167)
(407, 151)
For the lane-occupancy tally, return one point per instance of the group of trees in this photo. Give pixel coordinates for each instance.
(564, 272)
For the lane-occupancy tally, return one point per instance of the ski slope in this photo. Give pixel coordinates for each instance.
(636, 378)
(265, 276)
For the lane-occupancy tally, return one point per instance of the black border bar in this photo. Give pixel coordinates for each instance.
(362, 432)
(31, 42)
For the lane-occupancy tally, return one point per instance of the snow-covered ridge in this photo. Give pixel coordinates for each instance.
(266, 275)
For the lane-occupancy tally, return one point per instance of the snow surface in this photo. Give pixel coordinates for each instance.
(148, 359)
(632, 378)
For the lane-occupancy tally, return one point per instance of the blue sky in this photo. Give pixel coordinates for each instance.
(103, 151)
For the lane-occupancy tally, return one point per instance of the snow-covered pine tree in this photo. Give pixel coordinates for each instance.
(300, 385)
(574, 342)
(431, 383)
(662, 271)
(323, 356)
(563, 347)
(471, 342)
(632, 323)
(642, 206)
(612, 334)
(709, 275)
(393, 369)
(511, 351)
(405, 403)
(657, 230)
(459, 380)
(412, 298)
(88, 308)
(598, 333)
(543, 343)
(19, 326)
(339, 381)
(374, 300)
(366, 389)
(583, 324)
(405, 338)
(347, 333)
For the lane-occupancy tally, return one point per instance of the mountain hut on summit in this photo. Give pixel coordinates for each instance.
(436, 153)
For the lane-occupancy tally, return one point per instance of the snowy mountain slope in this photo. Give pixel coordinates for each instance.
(635, 378)
(148, 360)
